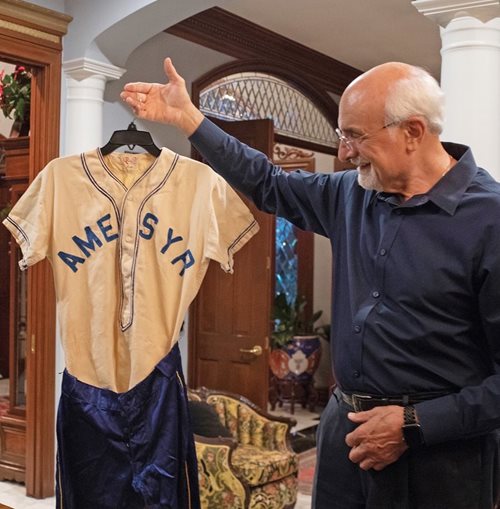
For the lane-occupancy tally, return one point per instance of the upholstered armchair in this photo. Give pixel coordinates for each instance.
(247, 462)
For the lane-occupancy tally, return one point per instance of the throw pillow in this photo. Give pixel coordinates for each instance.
(205, 421)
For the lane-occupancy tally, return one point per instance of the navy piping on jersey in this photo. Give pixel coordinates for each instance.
(125, 326)
(100, 189)
(240, 236)
(19, 229)
(108, 171)
(120, 216)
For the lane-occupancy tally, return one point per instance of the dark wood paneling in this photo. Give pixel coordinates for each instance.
(12, 448)
(227, 33)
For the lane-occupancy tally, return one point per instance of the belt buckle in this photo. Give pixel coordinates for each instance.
(358, 400)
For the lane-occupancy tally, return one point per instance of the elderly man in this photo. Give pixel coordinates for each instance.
(415, 234)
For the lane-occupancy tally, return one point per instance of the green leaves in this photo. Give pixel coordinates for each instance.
(290, 319)
(15, 93)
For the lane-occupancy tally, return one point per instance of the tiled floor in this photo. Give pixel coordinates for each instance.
(13, 494)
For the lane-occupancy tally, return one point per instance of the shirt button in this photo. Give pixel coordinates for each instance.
(356, 374)
(375, 294)
(383, 252)
(357, 329)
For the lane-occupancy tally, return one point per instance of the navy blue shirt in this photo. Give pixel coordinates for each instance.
(416, 285)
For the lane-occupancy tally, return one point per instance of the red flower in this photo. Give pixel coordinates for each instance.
(15, 93)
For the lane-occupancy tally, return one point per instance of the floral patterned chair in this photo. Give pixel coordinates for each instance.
(254, 467)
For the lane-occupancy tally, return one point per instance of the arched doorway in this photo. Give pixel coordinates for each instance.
(303, 123)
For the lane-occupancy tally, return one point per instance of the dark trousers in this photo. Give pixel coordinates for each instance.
(463, 474)
(130, 450)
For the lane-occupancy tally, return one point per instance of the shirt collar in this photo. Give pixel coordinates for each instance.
(448, 191)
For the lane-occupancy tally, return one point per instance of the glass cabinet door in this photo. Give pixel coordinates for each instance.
(18, 322)
(20, 300)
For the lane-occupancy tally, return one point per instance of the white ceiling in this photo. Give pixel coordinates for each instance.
(361, 33)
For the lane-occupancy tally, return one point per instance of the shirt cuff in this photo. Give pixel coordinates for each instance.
(439, 420)
(207, 136)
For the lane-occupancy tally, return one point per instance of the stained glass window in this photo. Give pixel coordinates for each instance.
(286, 260)
(253, 95)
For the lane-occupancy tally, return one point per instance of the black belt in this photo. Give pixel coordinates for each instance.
(363, 402)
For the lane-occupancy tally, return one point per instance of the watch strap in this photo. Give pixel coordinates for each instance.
(412, 433)
(410, 415)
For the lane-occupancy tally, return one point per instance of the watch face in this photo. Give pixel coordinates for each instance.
(413, 435)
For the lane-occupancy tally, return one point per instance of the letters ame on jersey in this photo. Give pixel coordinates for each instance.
(129, 238)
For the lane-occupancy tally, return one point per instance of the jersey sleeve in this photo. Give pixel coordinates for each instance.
(232, 224)
(29, 220)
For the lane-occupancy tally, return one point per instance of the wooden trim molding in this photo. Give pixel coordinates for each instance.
(42, 21)
(228, 33)
(33, 20)
(23, 43)
(281, 152)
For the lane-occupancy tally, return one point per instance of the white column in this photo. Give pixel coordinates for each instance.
(85, 83)
(470, 74)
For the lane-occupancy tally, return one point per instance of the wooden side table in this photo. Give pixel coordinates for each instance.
(292, 391)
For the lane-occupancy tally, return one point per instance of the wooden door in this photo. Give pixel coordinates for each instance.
(231, 316)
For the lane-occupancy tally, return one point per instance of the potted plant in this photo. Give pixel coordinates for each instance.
(295, 341)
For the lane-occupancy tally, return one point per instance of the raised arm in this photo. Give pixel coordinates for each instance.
(305, 199)
(167, 103)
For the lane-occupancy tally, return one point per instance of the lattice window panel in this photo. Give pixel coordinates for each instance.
(286, 260)
(252, 95)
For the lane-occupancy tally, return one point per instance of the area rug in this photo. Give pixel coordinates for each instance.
(307, 464)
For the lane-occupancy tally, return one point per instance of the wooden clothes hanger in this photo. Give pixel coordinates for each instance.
(131, 137)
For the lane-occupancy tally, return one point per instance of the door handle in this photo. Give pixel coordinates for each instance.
(256, 350)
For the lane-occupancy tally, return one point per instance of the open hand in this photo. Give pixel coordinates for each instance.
(378, 440)
(167, 103)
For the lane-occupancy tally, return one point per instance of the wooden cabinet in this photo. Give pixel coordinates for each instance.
(33, 36)
(13, 315)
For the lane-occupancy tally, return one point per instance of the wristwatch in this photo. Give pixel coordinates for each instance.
(412, 433)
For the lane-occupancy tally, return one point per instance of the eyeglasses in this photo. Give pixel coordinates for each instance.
(349, 140)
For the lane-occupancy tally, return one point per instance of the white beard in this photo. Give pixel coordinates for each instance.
(369, 181)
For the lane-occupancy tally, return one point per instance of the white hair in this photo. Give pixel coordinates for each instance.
(417, 94)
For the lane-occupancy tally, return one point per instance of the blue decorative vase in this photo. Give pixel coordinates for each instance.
(298, 359)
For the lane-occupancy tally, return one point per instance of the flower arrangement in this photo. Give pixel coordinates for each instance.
(15, 93)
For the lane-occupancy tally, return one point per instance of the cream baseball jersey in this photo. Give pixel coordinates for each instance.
(129, 238)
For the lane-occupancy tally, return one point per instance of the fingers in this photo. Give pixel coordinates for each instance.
(137, 87)
(360, 416)
(135, 101)
(135, 95)
(170, 71)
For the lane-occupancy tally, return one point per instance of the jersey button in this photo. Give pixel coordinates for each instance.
(356, 374)
(383, 252)
(357, 329)
(375, 294)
